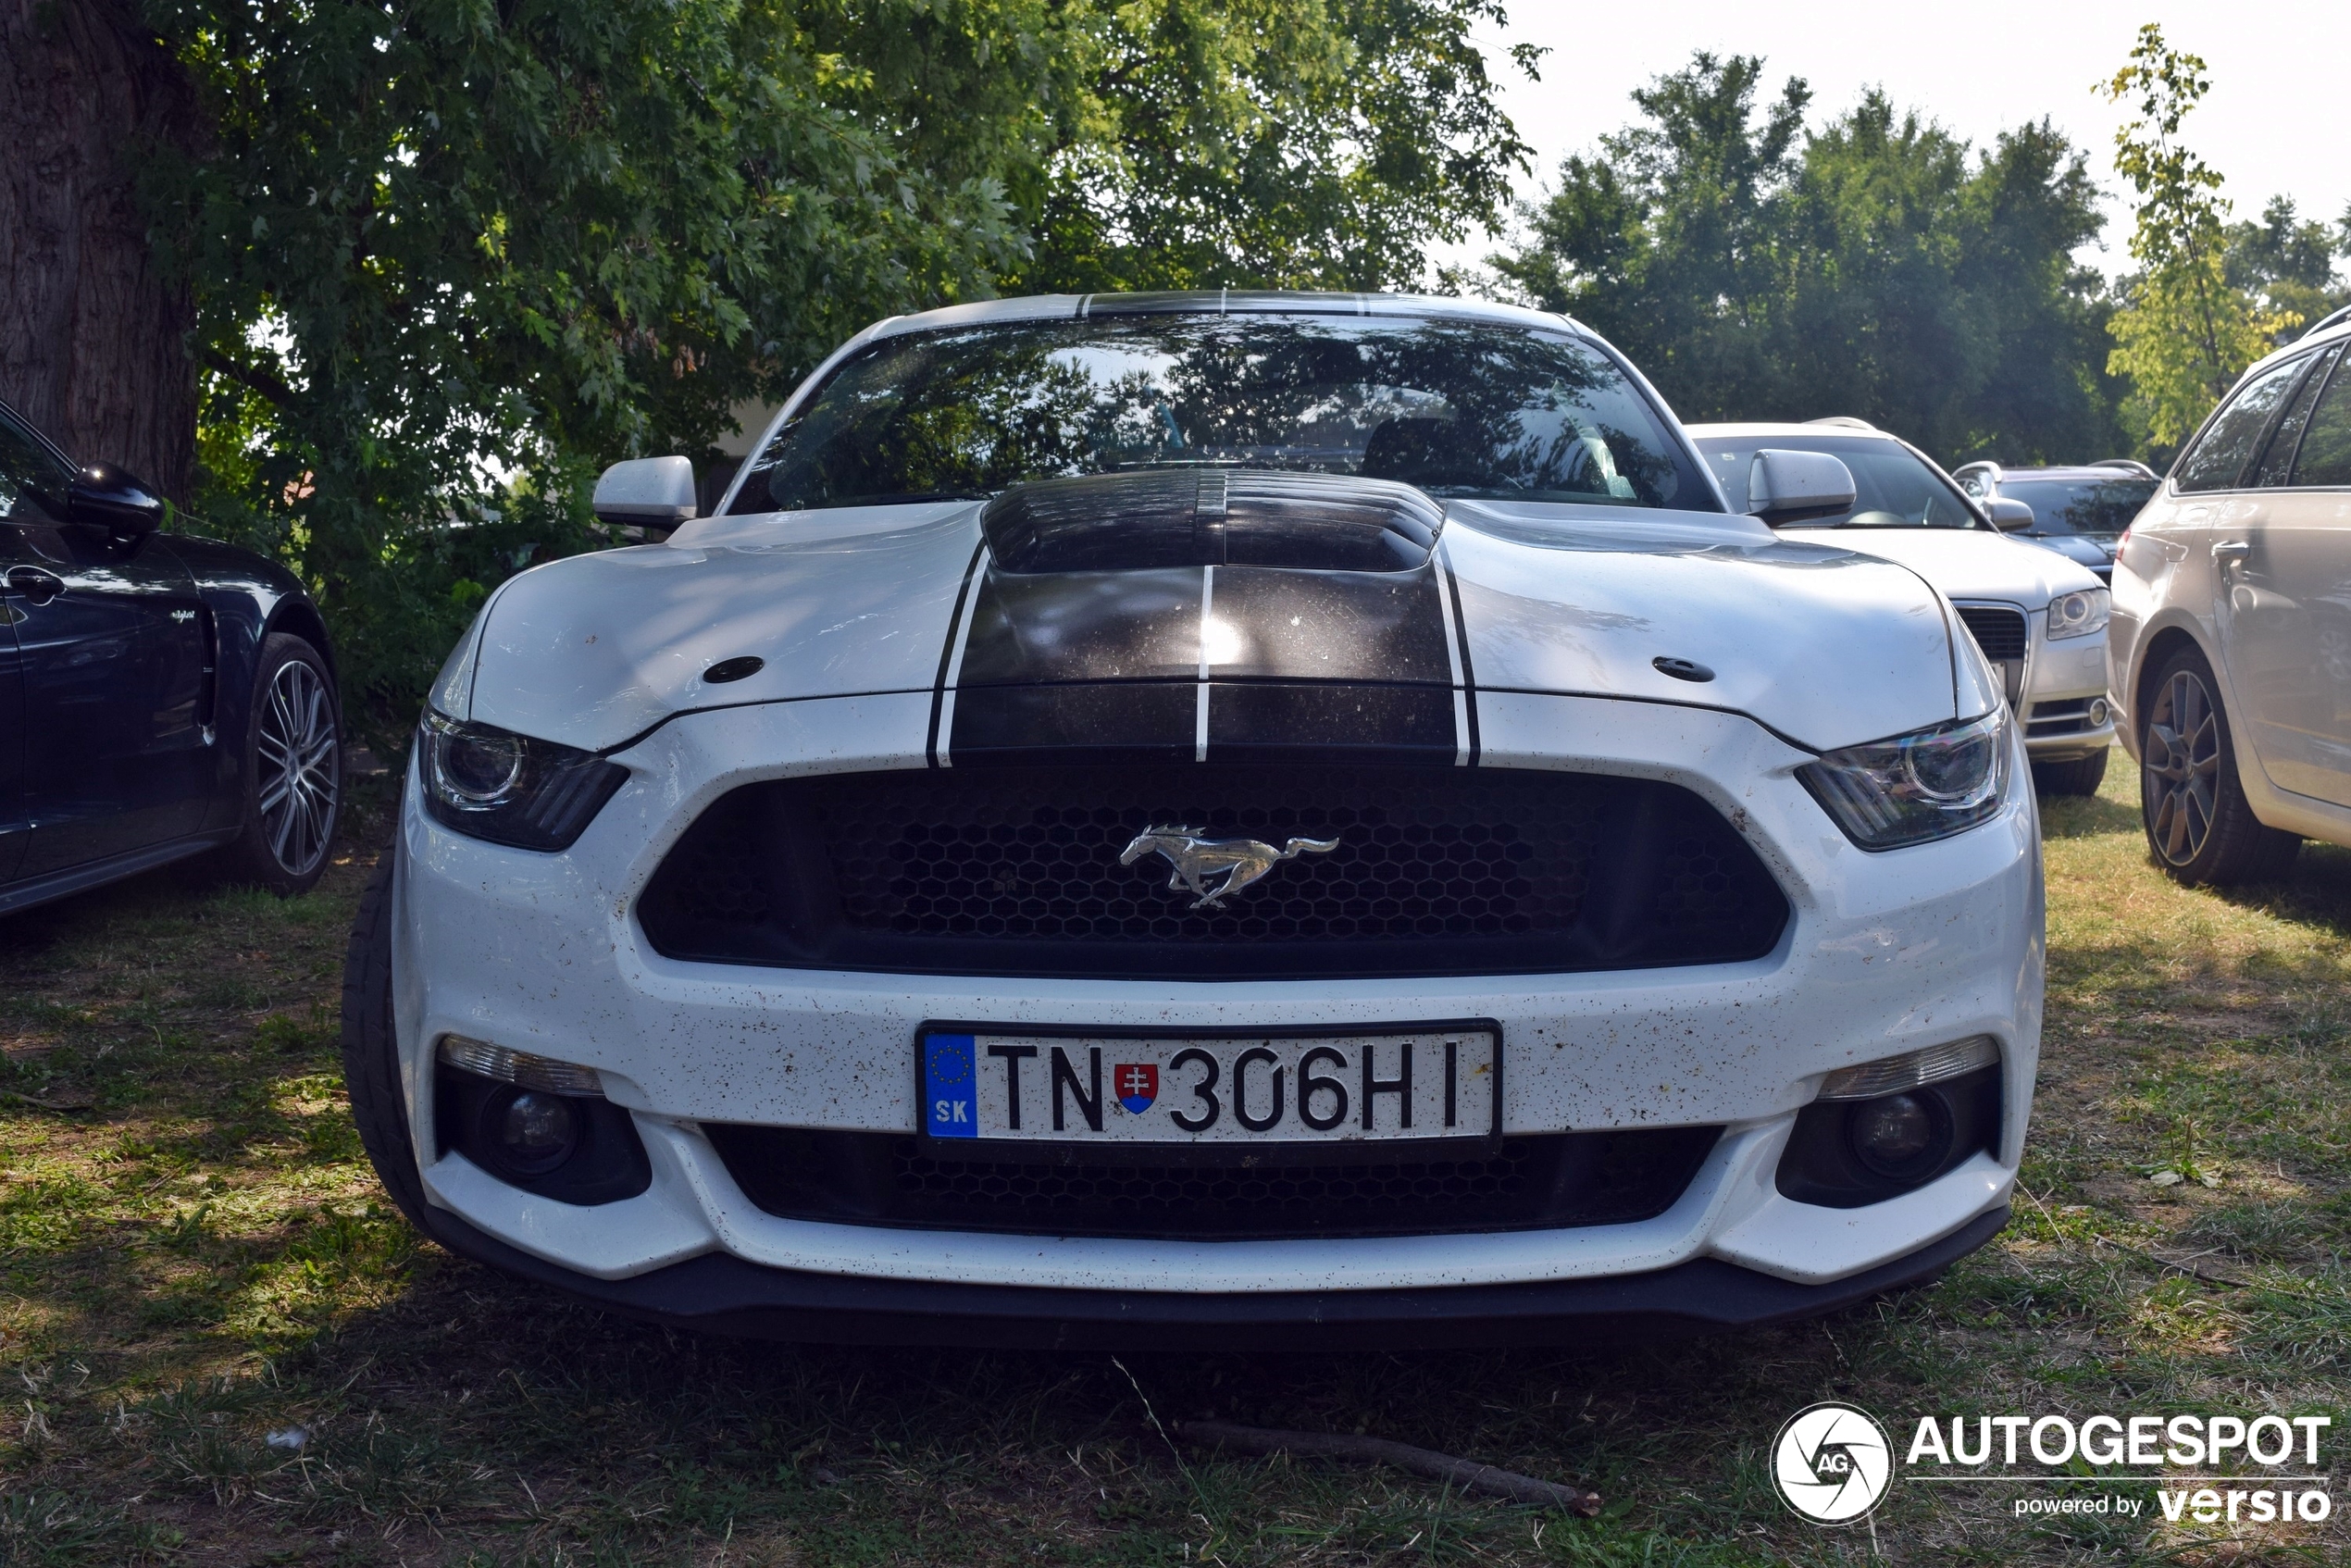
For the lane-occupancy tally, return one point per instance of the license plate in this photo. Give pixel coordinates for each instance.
(1436, 1082)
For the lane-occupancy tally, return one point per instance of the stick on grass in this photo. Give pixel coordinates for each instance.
(1466, 1473)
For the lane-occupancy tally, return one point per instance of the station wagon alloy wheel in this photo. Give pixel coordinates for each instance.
(297, 768)
(2182, 767)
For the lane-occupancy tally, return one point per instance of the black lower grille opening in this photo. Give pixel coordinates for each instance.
(2065, 717)
(1229, 1192)
(1403, 871)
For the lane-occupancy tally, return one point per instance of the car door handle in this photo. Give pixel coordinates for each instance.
(2230, 550)
(34, 583)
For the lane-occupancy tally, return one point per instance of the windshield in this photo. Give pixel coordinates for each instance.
(2099, 507)
(1892, 487)
(1458, 409)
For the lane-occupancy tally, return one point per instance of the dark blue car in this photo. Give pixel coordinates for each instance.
(161, 695)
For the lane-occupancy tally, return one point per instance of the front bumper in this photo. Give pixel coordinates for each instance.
(2067, 688)
(1883, 953)
(725, 1295)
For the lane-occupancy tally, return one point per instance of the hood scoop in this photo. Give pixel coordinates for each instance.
(1157, 518)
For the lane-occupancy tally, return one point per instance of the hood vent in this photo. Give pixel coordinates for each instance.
(1157, 518)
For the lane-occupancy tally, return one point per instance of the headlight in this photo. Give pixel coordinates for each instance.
(510, 789)
(2079, 614)
(1915, 787)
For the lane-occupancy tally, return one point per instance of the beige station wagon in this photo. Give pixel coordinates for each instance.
(2229, 654)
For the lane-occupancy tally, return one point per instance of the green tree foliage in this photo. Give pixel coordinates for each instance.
(1876, 267)
(1670, 240)
(451, 257)
(2184, 330)
(1273, 143)
(2288, 261)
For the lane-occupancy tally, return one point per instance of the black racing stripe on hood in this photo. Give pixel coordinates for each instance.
(1248, 721)
(1204, 662)
(1157, 518)
(955, 635)
(1330, 625)
(1266, 721)
(1107, 721)
(1027, 629)
(1465, 674)
(1258, 623)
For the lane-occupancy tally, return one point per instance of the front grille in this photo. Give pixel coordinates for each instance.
(1017, 871)
(2000, 633)
(1216, 1191)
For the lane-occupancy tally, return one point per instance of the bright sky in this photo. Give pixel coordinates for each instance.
(2273, 123)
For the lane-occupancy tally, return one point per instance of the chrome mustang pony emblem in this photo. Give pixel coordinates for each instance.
(1238, 861)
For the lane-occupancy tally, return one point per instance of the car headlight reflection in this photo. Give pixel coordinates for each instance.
(1915, 787)
(509, 789)
(2079, 614)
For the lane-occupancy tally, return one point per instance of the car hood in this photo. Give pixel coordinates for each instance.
(1968, 563)
(1827, 645)
(2089, 549)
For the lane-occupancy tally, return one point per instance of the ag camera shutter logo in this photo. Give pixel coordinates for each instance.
(1831, 1463)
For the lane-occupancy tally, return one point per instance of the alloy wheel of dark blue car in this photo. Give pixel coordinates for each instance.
(296, 788)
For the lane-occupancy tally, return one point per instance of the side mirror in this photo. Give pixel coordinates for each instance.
(102, 496)
(1793, 487)
(655, 492)
(2009, 516)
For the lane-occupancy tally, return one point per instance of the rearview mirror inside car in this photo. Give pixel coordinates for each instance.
(2008, 516)
(102, 496)
(655, 492)
(1794, 486)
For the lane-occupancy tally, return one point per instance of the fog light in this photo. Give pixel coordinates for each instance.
(537, 1132)
(2099, 712)
(1900, 1135)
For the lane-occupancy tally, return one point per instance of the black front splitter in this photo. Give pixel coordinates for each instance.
(723, 1294)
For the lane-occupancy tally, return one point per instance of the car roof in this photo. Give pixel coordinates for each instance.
(1226, 302)
(1811, 429)
(2334, 327)
(2073, 471)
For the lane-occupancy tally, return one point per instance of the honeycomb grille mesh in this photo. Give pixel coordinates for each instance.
(1020, 870)
(1412, 861)
(1164, 1190)
(1225, 1192)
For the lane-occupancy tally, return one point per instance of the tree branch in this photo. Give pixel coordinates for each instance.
(252, 379)
(1466, 1473)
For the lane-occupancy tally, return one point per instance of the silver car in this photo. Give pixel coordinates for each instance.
(2230, 658)
(2037, 615)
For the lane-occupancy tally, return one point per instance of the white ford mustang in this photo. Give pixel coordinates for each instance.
(1211, 819)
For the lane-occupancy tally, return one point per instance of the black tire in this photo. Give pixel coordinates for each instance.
(293, 766)
(370, 1054)
(2200, 828)
(2075, 776)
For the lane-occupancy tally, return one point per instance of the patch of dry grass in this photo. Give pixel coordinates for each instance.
(194, 1255)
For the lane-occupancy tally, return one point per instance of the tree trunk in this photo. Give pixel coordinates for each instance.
(95, 332)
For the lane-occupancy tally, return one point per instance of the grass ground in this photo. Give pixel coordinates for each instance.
(194, 1255)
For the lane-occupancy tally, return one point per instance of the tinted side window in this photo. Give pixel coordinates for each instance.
(2326, 444)
(33, 483)
(2277, 463)
(2222, 455)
